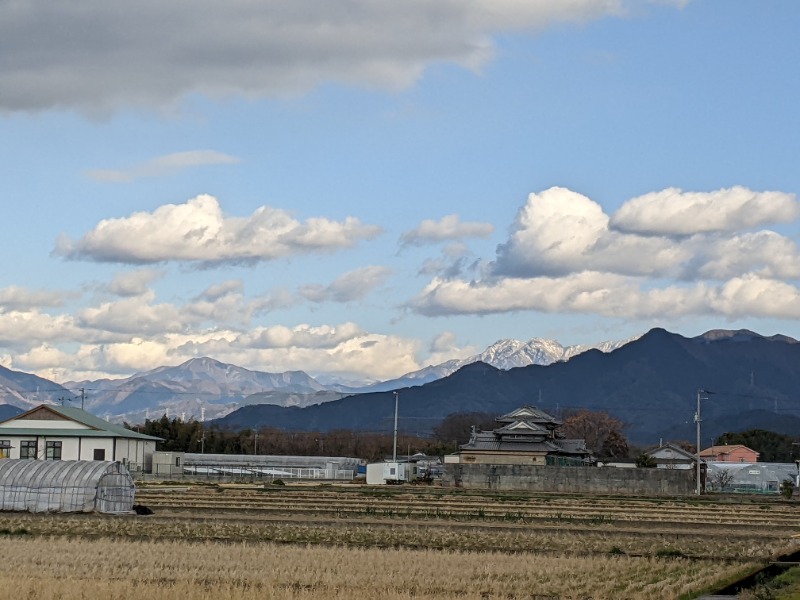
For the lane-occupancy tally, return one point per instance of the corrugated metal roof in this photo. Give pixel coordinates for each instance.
(99, 427)
(49, 432)
(65, 486)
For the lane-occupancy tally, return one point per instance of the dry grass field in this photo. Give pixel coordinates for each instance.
(357, 543)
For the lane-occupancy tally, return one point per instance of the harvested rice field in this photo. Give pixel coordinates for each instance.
(350, 541)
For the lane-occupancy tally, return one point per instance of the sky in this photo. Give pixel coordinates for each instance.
(362, 188)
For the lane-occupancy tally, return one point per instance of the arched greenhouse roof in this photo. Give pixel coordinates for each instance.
(65, 486)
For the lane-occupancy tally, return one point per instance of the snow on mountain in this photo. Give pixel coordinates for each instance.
(204, 386)
(503, 354)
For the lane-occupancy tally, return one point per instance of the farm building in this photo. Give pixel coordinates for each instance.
(65, 486)
(50, 432)
(758, 478)
(255, 466)
(525, 436)
(669, 456)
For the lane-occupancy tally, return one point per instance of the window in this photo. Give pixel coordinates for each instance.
(27, 450)
(5, 449)
(99, 454)
(177, 461)
(52, 451)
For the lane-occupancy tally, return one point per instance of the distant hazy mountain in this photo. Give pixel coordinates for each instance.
(651, 384)
(204, 387)
(200, 382)
(503, 354)
(25, 391)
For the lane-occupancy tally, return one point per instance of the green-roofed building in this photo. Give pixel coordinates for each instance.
(50, 432)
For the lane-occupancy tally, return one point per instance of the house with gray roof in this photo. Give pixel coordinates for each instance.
(50, 432)
(527, 436)
(670, 456)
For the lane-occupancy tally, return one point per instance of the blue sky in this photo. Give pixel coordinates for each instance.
(364, 188)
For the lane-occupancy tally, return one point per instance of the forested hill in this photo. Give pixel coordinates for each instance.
(651, 384)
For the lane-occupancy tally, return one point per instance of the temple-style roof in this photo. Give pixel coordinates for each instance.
(526, 429)
(523, 428)
(530, 414)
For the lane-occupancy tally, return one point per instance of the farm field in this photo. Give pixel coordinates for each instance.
(349, 541)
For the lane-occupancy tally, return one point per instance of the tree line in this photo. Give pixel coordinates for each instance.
(603, 433)
(196, 437)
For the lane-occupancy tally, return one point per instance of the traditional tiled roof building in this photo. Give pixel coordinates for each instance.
(526, 435)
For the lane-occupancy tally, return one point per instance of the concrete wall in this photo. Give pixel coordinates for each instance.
(486, 458)
(593, 480)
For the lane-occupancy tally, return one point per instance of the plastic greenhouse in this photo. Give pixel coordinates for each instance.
(65, 486)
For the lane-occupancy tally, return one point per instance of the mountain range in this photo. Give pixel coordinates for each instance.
(204, 388)
(651, 384)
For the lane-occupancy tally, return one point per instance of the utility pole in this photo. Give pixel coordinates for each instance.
(396, 402)
(83, 396)
(698, 420)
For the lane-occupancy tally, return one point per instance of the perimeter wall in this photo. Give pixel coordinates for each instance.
(591, 480)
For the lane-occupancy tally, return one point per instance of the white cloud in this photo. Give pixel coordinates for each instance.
(134, 315)
(562, 256)
(448, 228)
(753, 296)
(197, 231)
(23, 328)
(133, 283)
(674, 212)
(97, 56)
(300, 336)
(344, 349)
(163, 166)
(220, 290)
(559, 231)
(444, 347)
(349, 287)
(19, 298)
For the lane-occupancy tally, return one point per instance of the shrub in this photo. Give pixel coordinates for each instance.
(645, 461)
(787, 488)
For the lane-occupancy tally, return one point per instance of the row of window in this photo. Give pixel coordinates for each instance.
(52, 450)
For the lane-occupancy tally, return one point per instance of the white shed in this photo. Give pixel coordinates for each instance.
(65, 486)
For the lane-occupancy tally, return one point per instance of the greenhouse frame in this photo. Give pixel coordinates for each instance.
(65, 486)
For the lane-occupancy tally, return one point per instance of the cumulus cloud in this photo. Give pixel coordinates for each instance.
(559, 231)
(448, 228)
(444, 347)
(133, 315)
(197, 231)
(342, 349)
(674, 212)
(139, 333)
(24, 328)
(162, 166)
(97, 56)
(349, 287)
(19, 298)
(133, 283)
(564, 255)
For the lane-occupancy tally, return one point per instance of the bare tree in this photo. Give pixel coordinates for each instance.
(602, 432)
(722, 479)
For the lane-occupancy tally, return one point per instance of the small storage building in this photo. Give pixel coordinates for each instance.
(65, 486)
(168, 463)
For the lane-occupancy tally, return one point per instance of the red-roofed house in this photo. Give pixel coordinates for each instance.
(735, 453)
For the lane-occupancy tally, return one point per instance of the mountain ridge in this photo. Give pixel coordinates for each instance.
(651, 384)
